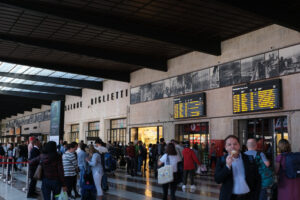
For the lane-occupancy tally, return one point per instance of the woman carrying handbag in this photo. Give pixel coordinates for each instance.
(52, 172)
(170, 158)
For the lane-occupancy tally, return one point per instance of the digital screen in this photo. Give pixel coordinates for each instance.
(257, 96)
(189, 106)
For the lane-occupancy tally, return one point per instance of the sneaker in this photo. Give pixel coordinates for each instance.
(184, 188)
(193, 188)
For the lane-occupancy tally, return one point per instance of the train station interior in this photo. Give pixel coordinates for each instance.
(140, 70)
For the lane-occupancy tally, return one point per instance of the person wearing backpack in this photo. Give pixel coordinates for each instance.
(288, 181)
(266, 174)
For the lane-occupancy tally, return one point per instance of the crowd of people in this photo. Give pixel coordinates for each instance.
(244, 175)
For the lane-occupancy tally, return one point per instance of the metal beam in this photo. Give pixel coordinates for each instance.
(24, 101)
(21, 105)
(279, 12)
(52, 89)
(33, 95)
(109, 74)
(201, 44)
(122, 57)
(14, 106)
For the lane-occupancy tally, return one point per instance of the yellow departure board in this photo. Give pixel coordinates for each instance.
(257, 96)
(190, 106)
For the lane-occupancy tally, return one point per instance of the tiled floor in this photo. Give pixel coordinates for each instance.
(123, 186)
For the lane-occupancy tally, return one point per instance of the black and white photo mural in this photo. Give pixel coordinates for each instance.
(214, 77)
(253, 68)
(195, 81)
(230, 73)
(200, 80)
(29, 119)
(263, 66)
(187, 83)
(167, 88)
(157, 90)
(289, 60)
(135, 95)
(146, 94)
(177, 85)
(272, 64)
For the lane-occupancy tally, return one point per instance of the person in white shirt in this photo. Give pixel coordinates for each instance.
(99, 146)
(94, 160)
(170, 158)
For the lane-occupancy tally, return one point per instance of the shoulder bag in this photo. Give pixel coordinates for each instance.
(165, 174)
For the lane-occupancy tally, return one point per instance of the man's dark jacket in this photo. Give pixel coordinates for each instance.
(35, 152)
(224, 176)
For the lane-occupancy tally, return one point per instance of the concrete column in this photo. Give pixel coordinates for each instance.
(294, 133)
(81, 132)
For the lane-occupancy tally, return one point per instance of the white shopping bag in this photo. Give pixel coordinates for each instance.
(165, 174)
(198, 170)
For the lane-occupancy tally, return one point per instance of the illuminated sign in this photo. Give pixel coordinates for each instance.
(189, 106)
(257, 96)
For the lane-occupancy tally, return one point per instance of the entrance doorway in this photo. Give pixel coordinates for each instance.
(267, 131)
(148, 135)
(196, 134)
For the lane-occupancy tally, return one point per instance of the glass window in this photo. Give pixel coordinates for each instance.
(74, 127)
(118, 123)
(93, 126)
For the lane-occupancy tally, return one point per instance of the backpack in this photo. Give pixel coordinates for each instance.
(266, 174)
(108, 162)
(88, 177)
(292, 165)
(88, 189)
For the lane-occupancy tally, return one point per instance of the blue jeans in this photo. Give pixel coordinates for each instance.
(49, 186)
(19, 165)
(263, 195)
(81, 174)
(140, 162)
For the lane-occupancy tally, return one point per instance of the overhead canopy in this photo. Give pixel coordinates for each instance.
(112, 38)
(23, 88)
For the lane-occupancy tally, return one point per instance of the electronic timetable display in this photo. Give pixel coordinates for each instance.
(190, 106)
(257, 96)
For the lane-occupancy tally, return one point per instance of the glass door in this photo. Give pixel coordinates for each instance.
(267, 131)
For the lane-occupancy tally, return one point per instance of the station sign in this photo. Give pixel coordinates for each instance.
(190, 106)
(257, 96)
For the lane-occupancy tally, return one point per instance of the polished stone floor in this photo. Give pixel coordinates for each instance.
(123, 186)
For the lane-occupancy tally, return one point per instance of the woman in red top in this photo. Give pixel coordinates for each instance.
(189, 160)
